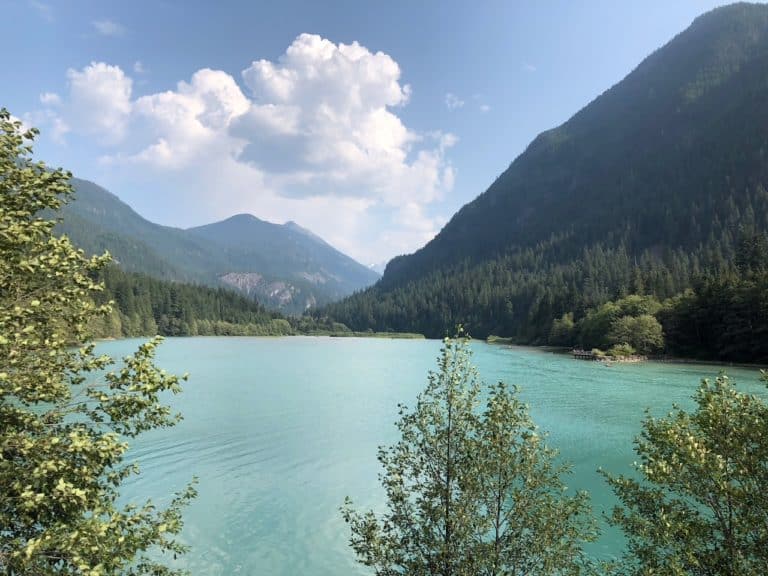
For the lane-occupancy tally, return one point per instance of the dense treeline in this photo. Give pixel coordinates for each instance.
(712, 304)
(145, 306)
(722, 317)
(519, 293)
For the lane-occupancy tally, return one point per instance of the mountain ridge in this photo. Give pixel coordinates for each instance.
(645, 187)
(282, 261)
(552, 140)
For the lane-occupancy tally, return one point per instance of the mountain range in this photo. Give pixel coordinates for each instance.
(645, 189)
(285, 267)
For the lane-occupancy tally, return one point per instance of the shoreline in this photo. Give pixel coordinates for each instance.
(675, 360)
(652, 359)
(495, 342)
(380, 335)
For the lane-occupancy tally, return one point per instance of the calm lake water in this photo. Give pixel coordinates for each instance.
(280, 430)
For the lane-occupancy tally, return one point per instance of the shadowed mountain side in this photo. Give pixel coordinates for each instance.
(643, 189)
(284, 266)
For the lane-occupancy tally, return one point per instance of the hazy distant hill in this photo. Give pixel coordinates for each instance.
(646, 187)
(284, 266)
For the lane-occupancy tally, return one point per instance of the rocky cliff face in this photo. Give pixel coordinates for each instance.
(273, 293)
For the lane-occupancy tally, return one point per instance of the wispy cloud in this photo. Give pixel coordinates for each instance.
(452, 101)
(45, 10)
(482, 106)
(50, 99)
(139, 68)
(57, 128)
(107, 27)
(528, 67)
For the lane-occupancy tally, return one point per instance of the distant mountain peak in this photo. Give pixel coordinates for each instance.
(379, 267)
(104, 221)
(243, 217)
(291, 225)
(304, 267)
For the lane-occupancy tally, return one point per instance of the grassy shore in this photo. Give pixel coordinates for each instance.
(397, 335)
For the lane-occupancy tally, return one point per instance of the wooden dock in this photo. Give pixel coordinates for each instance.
(584, 354)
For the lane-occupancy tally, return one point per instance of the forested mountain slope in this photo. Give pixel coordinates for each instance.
(647, 187)
(285, 251)
(283, 266)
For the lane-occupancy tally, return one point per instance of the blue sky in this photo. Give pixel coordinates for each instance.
(369, 123)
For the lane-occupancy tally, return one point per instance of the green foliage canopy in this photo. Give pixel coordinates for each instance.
(64, 416)
(643, 333)
(700, 506)
(470, 493)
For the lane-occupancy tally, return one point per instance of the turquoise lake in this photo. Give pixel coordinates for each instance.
(280, 430)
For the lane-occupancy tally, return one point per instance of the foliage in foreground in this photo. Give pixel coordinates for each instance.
(700, 507)
(64, 417)
(470, 493)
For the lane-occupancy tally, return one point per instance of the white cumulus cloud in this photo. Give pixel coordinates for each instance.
(323, 122)
(313, 136)
(188, 124)
(99, 101)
